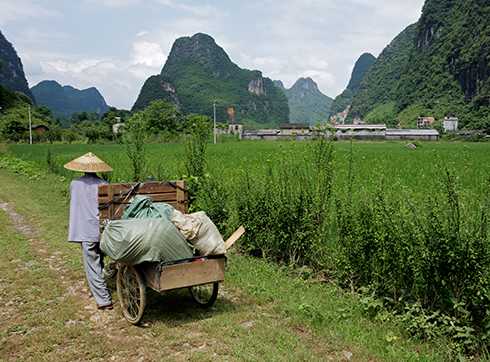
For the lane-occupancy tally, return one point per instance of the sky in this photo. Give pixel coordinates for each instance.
(115, 45)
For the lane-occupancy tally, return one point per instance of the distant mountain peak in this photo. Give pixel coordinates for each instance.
(198, 73)
(306, 102)
(65, 100)
(363, 64)
(301, 88)
(203, 48)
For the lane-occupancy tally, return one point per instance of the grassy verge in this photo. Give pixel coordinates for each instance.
(263, 312)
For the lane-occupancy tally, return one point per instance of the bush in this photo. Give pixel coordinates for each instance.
(285, 207)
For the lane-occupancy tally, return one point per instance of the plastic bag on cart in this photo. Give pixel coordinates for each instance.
(142, 208)
(133, 241)
(208, 239)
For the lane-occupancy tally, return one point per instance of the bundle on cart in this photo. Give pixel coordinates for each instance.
(133, 241)
(156, 232)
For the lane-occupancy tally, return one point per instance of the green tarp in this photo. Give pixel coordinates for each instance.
(144, 233)
(133, 241)
(142, 208)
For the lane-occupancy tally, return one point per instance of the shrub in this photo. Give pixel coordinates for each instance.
(285, 207)
(134, 140)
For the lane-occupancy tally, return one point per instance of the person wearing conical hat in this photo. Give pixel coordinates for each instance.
(84, 222)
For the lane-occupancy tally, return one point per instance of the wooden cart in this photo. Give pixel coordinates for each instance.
(200, 274)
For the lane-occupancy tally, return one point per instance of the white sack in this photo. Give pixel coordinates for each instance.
(188, 224)
(208, 239)
(200, 231)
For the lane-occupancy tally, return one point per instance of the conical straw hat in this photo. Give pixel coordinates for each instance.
(88, 163)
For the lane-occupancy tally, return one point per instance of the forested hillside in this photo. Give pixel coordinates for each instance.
(343, 100)
(449, 64)
(438, 67)
(198, 72)
(12, 75)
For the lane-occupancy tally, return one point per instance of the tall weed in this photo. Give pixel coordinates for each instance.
(285, 205)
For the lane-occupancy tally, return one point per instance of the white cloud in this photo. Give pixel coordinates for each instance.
(40, 36)
(269, 63)
(113, 3)
(309, 61)
(21, 10)
(201, 10)
(148, 54)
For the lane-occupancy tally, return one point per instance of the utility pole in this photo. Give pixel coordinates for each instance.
(30, 126)
(214, 110)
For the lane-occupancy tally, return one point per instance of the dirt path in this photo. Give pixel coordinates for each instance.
(75, 291)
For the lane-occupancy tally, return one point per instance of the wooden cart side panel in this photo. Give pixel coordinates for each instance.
(183, 275)
(158, 191)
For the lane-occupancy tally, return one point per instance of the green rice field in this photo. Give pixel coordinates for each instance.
(413, 166)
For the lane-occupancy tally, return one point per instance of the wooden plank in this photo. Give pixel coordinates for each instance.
(166, 197)
(234, 237)
(183, 204)
(110, 209)
(149, 187)
(191, 274)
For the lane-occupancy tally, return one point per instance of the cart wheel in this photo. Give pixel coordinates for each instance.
(131, 292)
(205, 295)
(109, 269)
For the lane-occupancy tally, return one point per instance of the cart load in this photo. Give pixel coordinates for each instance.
(134, 241)
(152, 232)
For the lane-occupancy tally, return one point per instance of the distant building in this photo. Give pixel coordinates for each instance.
(115, 126)
(40, 128)
(450, 123)
(291, 129)
(265, 134)
(345, 132)
(236, 128)
(425, 121)
(412, 134)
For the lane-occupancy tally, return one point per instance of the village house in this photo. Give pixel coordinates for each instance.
(292, 129)
(450, 123)
(40, 128)
(425, 121)
(412, 134)
(115, 126)
(344, 132)
(235, 128)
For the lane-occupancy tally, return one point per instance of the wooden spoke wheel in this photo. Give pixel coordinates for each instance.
(109, 269)
(205, 295)
(131, 292)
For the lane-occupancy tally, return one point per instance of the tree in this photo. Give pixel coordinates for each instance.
(161, 116)
(195, 144)
(77, 118)
(134, 140)
(44, 113)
